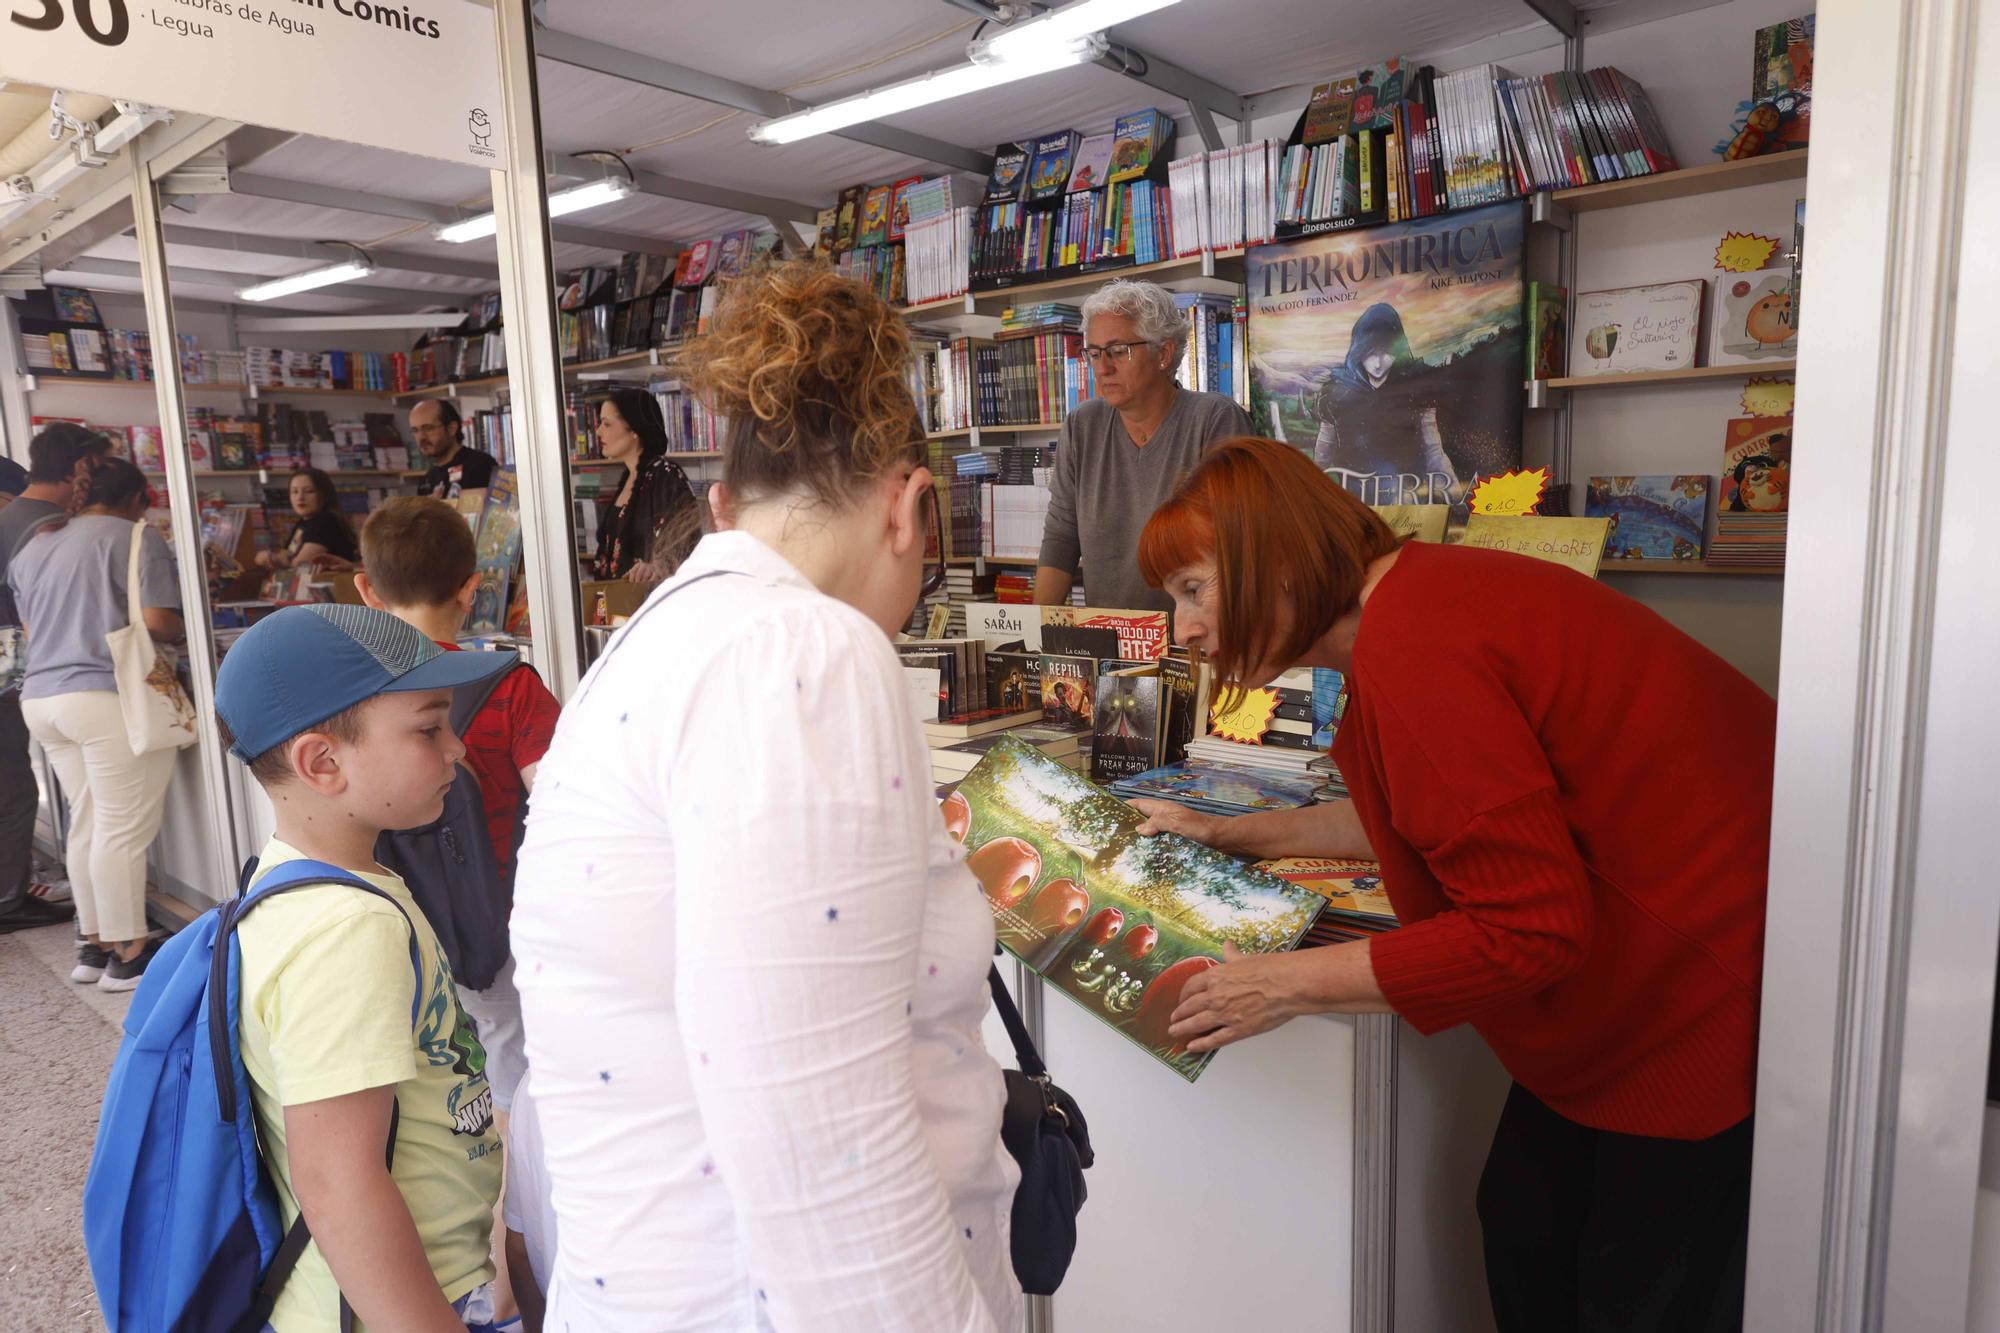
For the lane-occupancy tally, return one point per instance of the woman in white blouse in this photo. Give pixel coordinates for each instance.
(752, 966)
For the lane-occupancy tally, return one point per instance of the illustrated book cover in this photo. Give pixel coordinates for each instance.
(873, 229)
(1092, 163)
(1548, 339)
(1220, 787)
(1352, 888)
(1009, 174)
(1117, 922)
(1069, 689)
(1126, 731)
(1652, 518)
(1756, 466)
(899, 206)
(1142, 635)
(1753, 318)
(1627, 329)
(1394, 353)
(1013, 680)
(499, 549)
(1048, 169)
(1137, 138)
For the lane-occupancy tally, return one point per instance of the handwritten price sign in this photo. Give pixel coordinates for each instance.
(1744, 252)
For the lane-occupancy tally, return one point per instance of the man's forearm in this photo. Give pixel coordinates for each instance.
(1331, 829)
(1052, 585)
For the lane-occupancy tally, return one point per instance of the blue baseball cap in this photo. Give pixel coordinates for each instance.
(303, 664)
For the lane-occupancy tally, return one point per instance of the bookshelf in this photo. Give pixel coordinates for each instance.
(258, 474)
(37, 383)
(1687, 375)
(1686, 183)
(1686, 567)
(655, 356)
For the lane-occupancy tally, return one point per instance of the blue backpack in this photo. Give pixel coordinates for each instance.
(179, 1213)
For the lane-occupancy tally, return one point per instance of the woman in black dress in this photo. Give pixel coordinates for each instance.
(323, 537)
(655, 502)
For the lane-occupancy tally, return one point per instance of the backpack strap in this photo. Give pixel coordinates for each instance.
(291, 875)
(466, 703)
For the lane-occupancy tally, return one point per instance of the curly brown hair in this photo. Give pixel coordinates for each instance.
(808, 368)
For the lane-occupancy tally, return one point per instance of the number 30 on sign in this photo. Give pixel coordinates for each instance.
(110, 33)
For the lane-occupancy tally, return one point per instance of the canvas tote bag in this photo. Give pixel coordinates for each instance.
(158, 714)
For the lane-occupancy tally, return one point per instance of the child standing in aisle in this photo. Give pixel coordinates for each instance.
(420, 565)
(337, 1063)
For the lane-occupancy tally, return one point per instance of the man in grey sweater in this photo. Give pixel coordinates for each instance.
(1122, 452)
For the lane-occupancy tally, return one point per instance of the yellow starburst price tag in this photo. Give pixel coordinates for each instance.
(1768, 398)
(1510, 494)
(1249, 719)
(1744, 252)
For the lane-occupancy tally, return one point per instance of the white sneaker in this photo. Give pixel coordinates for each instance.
(54, 891)
(90, 964)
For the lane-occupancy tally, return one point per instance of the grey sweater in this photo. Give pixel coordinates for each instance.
(1116, 485)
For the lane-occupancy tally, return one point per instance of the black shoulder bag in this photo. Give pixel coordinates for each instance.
(1043, 1128)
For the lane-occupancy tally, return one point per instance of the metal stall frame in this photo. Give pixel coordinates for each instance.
(1883, 910)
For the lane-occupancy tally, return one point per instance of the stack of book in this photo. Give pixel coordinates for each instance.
(1042, 316)
(939, 257)
(953, 759)
(1218, 789)
(960, 667)
(1224, 199)
(1751, 510)
(1567, 129)
(1216, 360)
(1357, 908)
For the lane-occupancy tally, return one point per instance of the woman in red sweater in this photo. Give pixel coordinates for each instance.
(1570, 800)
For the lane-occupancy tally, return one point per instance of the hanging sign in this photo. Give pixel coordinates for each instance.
(419, 78)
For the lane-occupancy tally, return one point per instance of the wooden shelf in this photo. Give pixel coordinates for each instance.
(656, 357)
(1685, 567)
(275, 391)
(1054, 427)
(1689, 375)
(1227, 266)
(1686, 183)
(254, 474)
(147, 386)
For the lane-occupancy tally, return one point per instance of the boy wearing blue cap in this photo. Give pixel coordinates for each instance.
(342, 714)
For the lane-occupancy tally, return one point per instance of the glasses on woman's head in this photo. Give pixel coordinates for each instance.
(1116, 353)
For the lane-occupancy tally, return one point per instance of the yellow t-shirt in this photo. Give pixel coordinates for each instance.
(325, 1011)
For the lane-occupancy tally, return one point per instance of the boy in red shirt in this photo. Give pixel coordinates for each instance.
(419, 564)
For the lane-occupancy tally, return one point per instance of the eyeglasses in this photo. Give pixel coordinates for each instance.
(1116, 353)
(934, 575)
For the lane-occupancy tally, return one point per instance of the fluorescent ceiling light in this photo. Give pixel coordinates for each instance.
(595, 194)
(346, 271)
(1060, 28)
(922, 91)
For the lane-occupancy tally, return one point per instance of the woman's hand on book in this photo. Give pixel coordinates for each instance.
(1248, 994)
(1168, 817)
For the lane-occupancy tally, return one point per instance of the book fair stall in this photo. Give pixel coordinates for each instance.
(1519, 274)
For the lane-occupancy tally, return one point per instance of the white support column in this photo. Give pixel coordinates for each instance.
(1879, 955)
(227, 855)
(1372, 1299)
(534, 366)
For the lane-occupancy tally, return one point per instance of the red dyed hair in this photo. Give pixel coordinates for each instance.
(1270, 520)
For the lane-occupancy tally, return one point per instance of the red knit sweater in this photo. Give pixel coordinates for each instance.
(1571, 801)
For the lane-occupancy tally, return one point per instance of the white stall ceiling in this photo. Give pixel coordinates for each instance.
(809, 50)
